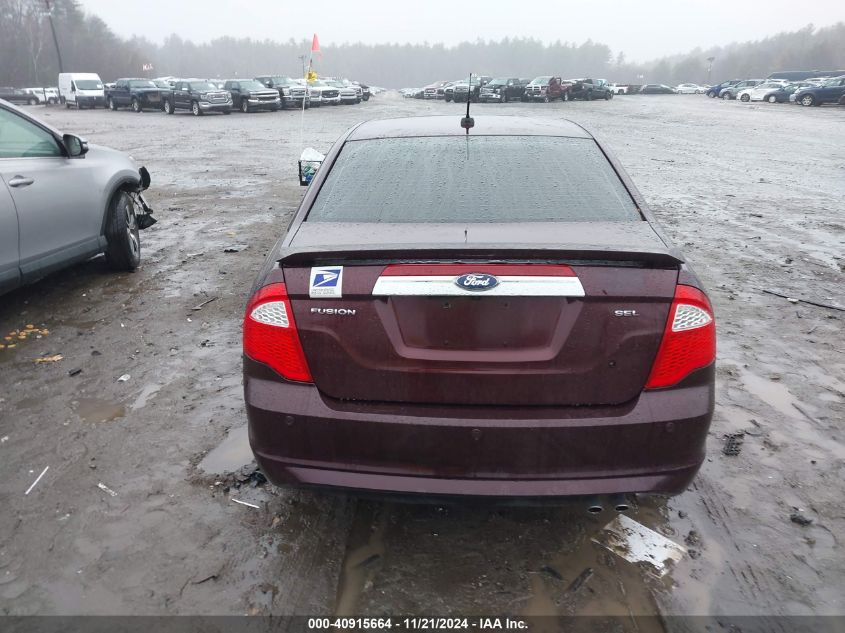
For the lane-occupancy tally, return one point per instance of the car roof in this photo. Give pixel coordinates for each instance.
(449, 125)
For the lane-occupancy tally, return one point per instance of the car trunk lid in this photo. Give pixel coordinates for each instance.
(558, 317)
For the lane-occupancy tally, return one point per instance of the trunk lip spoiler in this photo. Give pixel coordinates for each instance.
(365, 254)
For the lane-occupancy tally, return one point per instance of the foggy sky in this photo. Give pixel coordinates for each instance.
(643, 29)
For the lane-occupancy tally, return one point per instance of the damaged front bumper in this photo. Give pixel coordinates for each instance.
(145, 218)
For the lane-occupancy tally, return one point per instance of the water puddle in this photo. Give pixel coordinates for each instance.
(233, 453)
(147, 392)
(773, 393)
(364, 547)
(96, 410)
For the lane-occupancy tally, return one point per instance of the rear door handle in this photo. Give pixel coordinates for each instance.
(21, 181)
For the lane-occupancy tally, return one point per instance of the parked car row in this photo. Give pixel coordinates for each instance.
(199, 96)
(486, 89)
(811, 91)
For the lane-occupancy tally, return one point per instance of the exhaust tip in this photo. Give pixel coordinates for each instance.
(621, 507)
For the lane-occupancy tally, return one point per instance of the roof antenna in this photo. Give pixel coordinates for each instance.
(467, 122)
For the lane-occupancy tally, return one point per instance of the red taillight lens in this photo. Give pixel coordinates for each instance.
(270, 335)
(689, 340)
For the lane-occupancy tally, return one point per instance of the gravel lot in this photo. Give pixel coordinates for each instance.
(753, 193)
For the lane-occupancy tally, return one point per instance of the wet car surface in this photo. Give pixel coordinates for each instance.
(171, 540)
(468, 349)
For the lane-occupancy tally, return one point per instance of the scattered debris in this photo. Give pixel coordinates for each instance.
(733, 443)
(581, 580)
(124, 378)
(800, 519)
(812, 303)
(106, 489)
(204, 303)
(4, 439)
(244, 503)
(55, 358)
(638, 544)
(692, 539)
(22, 334)
(37, 479)
(551, 571)
(235, 248)
(807, 415)
(75, 371)
(755, 430)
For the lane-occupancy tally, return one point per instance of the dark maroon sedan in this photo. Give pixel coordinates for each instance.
(493, 314)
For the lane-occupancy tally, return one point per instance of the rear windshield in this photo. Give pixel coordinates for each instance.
(475, 179)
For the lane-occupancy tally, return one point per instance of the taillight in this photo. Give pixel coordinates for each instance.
(270, 334)
(689, 340)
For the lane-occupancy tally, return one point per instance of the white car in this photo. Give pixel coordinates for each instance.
(760, 92)
(689, 89)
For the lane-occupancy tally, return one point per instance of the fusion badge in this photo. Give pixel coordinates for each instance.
(326, 281)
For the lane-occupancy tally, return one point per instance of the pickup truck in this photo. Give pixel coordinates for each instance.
(198, 96)
(503, 89)
(249, 95)
(138, 94)
(589, 89)
(291, 92)
(547, 88)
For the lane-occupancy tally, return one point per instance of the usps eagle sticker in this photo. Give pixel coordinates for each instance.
(326, 282)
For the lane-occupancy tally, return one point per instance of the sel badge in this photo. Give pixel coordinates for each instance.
(326, 281)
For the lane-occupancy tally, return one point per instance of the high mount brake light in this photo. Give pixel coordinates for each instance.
(270, 335)
(689, 340)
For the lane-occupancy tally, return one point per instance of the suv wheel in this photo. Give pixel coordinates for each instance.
(168, 106)
(32, 101)
(123, 249)
(244, 106)
(808, 100)
(195, 108)
(136, 105)
(111, 104)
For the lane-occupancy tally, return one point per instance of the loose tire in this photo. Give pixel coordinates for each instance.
(136, 105)
(772, 99)
(168, 106)
(745, 98)
(195, 108)
(123, 242)
(808, 100)
(244, 106)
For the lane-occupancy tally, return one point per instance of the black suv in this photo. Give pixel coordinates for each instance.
(135, 93)
(503, 89)
(198, 96)
(14, 95)
(290, 92)
(249, 95)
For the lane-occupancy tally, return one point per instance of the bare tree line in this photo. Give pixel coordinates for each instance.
(28, 56)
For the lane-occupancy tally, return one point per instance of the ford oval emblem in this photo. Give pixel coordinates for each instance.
(477, 282)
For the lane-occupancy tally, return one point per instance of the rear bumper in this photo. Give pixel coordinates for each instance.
(653, 445)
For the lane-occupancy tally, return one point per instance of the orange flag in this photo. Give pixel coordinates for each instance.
(315, 47)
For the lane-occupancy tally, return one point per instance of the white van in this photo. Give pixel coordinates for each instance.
(81, 90)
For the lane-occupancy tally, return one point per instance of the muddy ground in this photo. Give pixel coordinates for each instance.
(754, 193)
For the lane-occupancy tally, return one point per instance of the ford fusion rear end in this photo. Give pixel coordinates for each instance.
(405, 338)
